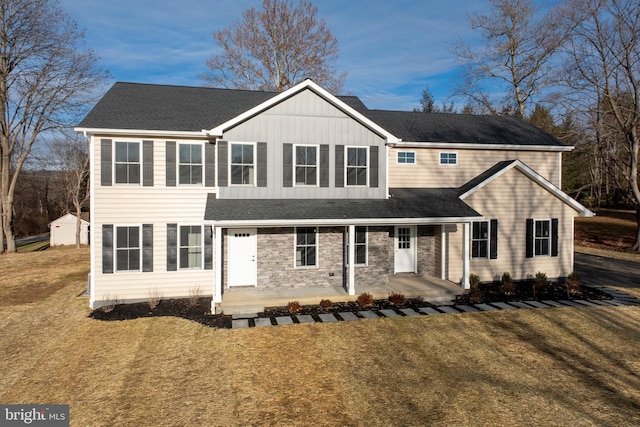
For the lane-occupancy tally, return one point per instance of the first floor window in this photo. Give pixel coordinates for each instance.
(306, 247)
(242, 164)
(356, 166)
(190, 246)
(448, 158)
(127, 248)
(542, 237)
(480, 239)
(361, 245)
(127, 162)
(190, 164)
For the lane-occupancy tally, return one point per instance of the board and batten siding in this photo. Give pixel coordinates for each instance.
(159, 205)
(511, 199)
(305, 119)
(428, 173)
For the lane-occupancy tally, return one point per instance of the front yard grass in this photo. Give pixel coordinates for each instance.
(565, 366)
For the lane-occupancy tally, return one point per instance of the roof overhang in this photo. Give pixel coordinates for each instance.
(343, 222)
(475, 146)
(539, 179)
(142, 132)
(219, 130)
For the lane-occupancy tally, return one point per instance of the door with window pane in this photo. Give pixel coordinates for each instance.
(404, 251)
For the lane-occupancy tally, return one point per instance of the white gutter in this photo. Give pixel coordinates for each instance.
(342, 222)
(475, 146)
(141, 132)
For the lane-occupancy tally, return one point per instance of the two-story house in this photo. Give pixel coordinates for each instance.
(200, 190)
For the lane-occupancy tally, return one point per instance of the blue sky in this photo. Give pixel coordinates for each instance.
(389, 49)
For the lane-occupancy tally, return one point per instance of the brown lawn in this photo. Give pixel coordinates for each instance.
(610, 229)
(520, 367)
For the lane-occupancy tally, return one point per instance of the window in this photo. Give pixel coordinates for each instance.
(306, 165)
(448, 158)
(406, 157)
(356, 166)
(542, 237)
(306, 247)
(190, 246)
(361, 246)
(404, 238)
(242, 164)
(127, 248)
(127, 162)
(480, 239)
(190, 164)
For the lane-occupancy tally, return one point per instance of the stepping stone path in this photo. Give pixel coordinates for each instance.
(620, 299)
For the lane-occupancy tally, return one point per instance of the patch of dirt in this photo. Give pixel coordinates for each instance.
(31, 293)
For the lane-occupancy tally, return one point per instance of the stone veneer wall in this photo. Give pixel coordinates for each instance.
(427, 261)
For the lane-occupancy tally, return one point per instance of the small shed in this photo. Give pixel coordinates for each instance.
(63, 230)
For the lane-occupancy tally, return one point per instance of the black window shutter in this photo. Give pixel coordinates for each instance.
(209, 165)
(172, 247)
(373, 167)
(554, 237)
(208, 247)
(107, 248)
(261, 175)
(106, 167)
(147, 163)
(529, 238)
(287, 165)
(493, 239)
(339, 165)
(147, 247)
(171, 163)
(223, 159)
(324, 165)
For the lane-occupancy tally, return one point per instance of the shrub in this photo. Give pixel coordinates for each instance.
(573, 284)
(326, 304)
(154, 298)
(294, 307)
(194, 296)
(540, 283)
(365, 300)
(474, 280)
(108, 303)
(397, 298)
(507, 287)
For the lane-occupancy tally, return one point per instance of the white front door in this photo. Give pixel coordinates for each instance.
(405, 249)
(242, 257)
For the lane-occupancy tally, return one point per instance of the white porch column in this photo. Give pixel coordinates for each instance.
(443, 252)
(217, 287)
(351, 281)
(465, 255)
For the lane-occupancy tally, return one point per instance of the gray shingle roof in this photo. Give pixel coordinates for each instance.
(484, 176)
(404, 203)
(176, 108)
(461, 128)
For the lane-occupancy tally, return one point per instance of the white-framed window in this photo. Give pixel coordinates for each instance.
(480, 239)
(127, 165)
(306, 165)
(242, 164)
(357, 170)
(406, 158)
(361, 246)
(448, 158)
(306, 247)
(189, 164)
(542, 237)
(190, 246)
(128, 245)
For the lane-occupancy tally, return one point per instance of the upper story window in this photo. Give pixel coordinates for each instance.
(127, 162)
(448, 158)
(190, 164)
(128, 248)
(242, 164)
(357, 166)
(406, 158)
(306, 161)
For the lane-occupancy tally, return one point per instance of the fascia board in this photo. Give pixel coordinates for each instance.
(344, 222)
(474, 146)
(140, 132)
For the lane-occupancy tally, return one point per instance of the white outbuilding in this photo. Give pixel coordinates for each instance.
(63, 230)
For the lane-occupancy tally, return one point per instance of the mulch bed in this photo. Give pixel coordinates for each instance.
(199, 311)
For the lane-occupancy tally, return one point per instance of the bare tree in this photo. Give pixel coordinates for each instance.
(604, 68)
(46, 76)
(275, 48)
(519, 42)
(70, 157)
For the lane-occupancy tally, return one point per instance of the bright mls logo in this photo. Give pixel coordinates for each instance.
(36, 415)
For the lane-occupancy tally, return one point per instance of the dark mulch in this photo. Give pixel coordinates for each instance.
(199, 311)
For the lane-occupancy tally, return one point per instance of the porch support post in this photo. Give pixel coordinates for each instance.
(351, 281)
(217, 289)
(443, 253)
(465, 255)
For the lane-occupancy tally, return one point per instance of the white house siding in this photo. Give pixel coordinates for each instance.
(136, 205)
(427, 171)
(305, 119)
(63, 231)
(511, 199)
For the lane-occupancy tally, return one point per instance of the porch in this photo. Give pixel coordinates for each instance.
(253, 300)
